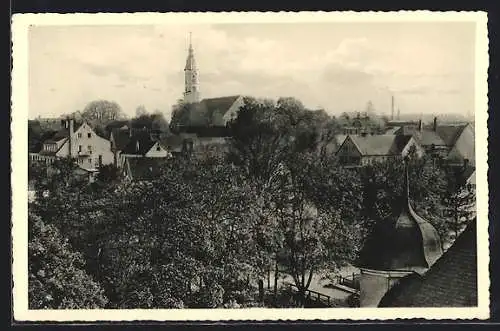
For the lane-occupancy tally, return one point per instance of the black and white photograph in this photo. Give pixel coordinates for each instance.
(212, 166)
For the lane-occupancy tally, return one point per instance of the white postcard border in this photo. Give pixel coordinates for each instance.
(19, 153)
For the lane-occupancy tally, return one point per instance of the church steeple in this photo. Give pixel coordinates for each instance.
(191, 92)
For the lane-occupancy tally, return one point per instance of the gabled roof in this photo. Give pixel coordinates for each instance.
(142, 168)
(450, 133)
(212, 109)
(450, 282)
(140, 139)
(61, 134)
(385, 144)
(121, 138)
(429, 138)
(220, 105)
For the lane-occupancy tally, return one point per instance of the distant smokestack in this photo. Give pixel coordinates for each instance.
(434, 126)
(399, 112)
(392, 107)
(420, 125)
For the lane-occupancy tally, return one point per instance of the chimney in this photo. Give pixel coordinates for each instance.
(434, 126)
(420, 125)
(392, 107)
(71, 126)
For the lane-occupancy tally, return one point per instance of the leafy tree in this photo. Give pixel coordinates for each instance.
(309, 231)
(383, 187)
(102, 112)
(459, 202)
(57, 278)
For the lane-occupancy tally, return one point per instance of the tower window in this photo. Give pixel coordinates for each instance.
(89, 135)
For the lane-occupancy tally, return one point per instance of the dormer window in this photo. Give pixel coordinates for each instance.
(158, 148)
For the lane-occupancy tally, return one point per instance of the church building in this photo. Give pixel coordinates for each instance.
(204, 115)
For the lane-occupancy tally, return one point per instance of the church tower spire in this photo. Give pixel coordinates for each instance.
(191, 85)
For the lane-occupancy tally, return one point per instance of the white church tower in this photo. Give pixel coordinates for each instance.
(191, 85)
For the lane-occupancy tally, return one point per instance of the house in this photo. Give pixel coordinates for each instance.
(454, 142)
(450, 282)
(144, 145)
(142, 169)
(81, 142)
(400, 245)
(358, 150)
(119, 139)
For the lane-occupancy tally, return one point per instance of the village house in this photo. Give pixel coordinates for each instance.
(454, 142)
(359, 150)
(143, 144)
(119, 138)
(450, 282)
(81, 142)
(397, 247)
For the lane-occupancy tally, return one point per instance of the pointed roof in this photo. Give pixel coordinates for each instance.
(121, 137)
(407, 242)
(190, 61)
(450, 282)
(139, 144)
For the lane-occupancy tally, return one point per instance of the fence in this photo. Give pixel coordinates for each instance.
(314, 298)
(351, 281)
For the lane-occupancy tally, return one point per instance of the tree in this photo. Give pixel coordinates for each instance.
(102, 112)
(140, 111)
(57, 277)
(383, 187)
(308, 230)
(459, 202)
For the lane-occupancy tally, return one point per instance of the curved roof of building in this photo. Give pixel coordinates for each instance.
(405, 242)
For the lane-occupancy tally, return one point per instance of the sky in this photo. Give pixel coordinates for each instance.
(427, 66)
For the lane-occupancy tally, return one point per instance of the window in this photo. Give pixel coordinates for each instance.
(79, 148)
(158, 148)
(89, 135)
(79, 135)
(90, 161)
(100, 160)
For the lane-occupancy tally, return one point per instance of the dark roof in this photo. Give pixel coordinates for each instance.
(429, 138)
(142, 168)
(450, 133)
(450, 282)
(385, 144)
(213, 109)
(405, 242)
(121, 138)
(143, 139)
(173, 143)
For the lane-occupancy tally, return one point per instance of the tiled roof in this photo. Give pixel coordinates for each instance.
(450, 133)
(142, 168)
(429, 138)
(213, 108)
(143, 139)
(450, 282)
(121, 138)
(386, 144)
